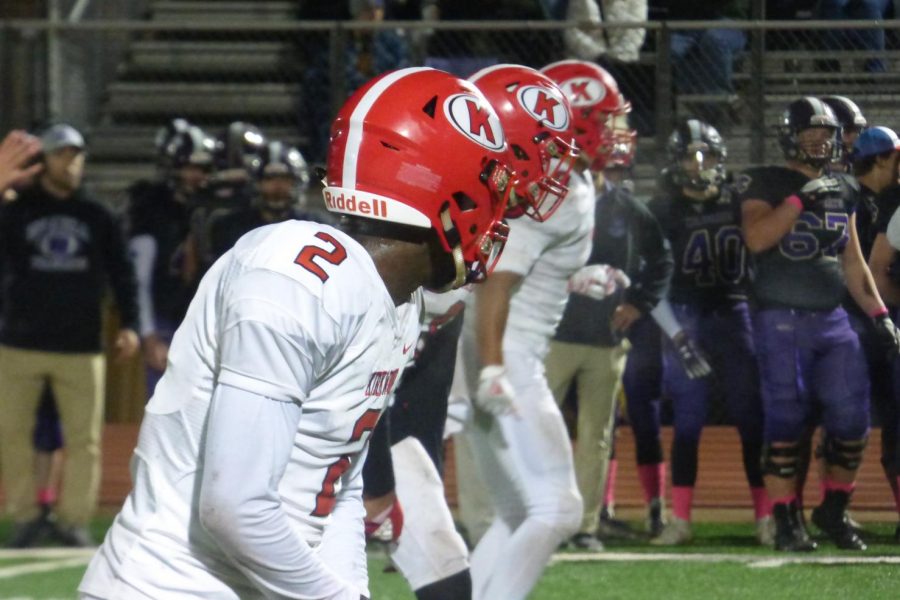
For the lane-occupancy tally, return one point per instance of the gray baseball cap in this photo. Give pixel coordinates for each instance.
(61, 136)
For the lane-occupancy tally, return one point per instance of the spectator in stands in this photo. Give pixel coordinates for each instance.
(367, 53)
(58, 252)
(854, 39)
(703, 59)
(594, 44)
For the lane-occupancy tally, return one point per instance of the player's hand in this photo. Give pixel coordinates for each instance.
(624, 317)
(887, 335)
(156, 352)
(16, 150)
(818, 189)
(597, 281)
(495, 392)
(126, 344)
(692, 358)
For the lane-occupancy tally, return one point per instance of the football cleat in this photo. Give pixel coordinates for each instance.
(677, 532)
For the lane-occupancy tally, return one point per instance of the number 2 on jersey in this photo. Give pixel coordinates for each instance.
(326, 498)
(308, 254)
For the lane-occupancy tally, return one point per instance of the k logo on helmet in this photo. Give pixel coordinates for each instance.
(583, 91)
(545, 107)
(472, 117)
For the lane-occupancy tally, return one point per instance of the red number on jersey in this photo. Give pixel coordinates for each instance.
(308, 254)
(326, 499)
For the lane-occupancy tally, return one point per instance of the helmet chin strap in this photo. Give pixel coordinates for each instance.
(459, 262)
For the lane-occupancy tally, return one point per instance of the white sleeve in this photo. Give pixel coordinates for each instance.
(625, 44)
(893, 230)
(343, 546)
(142, 250)
(586, 45)
(666, 319)
(248, 443)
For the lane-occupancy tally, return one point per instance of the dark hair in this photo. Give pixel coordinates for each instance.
(864, 165)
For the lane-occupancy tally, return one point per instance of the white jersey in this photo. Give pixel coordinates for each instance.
(316, 326)
(546, 255)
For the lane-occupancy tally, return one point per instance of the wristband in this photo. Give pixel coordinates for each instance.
(795, 201)
(878, 312)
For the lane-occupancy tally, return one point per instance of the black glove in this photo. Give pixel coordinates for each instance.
(817, 189)
(887, 336)
(692, 359)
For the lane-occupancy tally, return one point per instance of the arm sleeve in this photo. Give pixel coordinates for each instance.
(651, 283)
(121, 274)
(248, 443)
(142, 250)
(343, 546)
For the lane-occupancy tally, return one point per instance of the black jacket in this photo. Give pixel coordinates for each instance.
(628, 237)
(56, 259)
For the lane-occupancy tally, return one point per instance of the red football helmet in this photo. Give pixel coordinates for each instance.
(422, 148)
(599, 110)
(537, 121)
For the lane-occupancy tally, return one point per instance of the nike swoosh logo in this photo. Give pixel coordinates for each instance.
(406, 348)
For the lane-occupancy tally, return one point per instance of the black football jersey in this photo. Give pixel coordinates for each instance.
(708, 248)
(801, 271)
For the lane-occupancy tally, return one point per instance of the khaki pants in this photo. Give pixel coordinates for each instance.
(78, 384)
(598, 371)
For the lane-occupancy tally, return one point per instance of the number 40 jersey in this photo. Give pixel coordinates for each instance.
(295, 312)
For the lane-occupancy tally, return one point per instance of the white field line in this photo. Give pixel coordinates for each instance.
(751, 561)
(43, 567)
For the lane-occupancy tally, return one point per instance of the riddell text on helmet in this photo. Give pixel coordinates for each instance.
(339, 202)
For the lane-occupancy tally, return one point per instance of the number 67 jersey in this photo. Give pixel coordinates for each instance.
(295, 312)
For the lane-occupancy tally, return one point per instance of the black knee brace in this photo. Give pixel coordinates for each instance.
(780, 461)
(846, 454)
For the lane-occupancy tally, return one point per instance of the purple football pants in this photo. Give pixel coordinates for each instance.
(811, 356)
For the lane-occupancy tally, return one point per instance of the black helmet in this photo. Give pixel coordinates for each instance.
(240, 147)
(179, 144)
(690, 138)
(806, 113)
(277, 158)
(847, 112)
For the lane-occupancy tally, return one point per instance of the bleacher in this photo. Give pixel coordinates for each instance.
(218, 75)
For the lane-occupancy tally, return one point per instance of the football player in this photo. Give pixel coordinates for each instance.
(247, 472)
(157, 220)
(798, 222)
(628, 246)
(518, 438)
(281, 177)
(429, 552)
(852, 121)
(709, 298)
(875, 158)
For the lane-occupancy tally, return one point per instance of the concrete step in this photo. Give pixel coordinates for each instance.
(242, 60)
(208, 100)
(223, 10)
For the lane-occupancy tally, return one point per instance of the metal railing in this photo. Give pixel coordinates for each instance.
(290, 76)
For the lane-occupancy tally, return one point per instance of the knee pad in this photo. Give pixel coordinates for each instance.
(781, 461)
(846, 454)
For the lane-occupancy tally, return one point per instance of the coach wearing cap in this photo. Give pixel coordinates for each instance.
(59, 251)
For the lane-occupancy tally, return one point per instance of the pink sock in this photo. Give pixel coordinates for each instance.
(682, 499)
(46, 495)
(784, 499)
(609, 494)
(651, 480)
(761, 505)
(831, 485)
